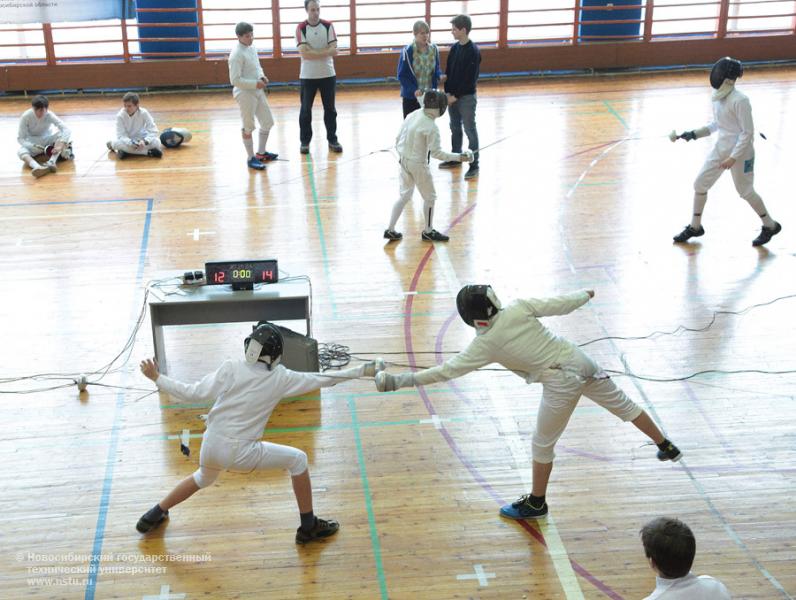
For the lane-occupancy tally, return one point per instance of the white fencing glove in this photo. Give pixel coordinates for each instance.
(387, 382)
(374, 367)
(467, 156)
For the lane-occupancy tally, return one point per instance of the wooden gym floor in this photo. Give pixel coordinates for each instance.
(579, 188)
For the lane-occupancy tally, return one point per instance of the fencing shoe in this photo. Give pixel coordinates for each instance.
(523, 509)
(434, 236)
(321, 529)
(687, 233)
(766, 233)
(151, 519)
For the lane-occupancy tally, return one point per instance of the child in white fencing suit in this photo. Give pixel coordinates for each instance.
(245, 393)
(417, 141)
(515, 338)
(734, 151)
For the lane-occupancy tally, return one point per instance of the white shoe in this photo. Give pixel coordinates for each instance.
(40, 171)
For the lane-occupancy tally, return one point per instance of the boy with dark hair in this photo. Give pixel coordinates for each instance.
(41, 132)
(670, 547)
(248, 88)
(136, 132)
(461, 71)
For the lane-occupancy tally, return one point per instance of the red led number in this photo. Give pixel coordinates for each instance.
(268, 275)
(219, 277)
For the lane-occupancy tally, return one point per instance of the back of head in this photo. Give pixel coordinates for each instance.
(40, 102)
(265, 345)
(243, 28)
(671, 545)
(725, 68)
(435, 99)
(477, 304)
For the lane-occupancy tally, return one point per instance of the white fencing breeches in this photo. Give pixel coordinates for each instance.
(743, 175)
(219, 454)
(254, 104)
(562, 388)
(415, 174)
(151, 144)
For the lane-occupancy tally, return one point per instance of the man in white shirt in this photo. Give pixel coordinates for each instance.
(670, 547)
(248, 88)
(417, 140)
(734, 151)
(244, 394)
(317, 44)
(136, 132)
(41, 132)
(515, 338)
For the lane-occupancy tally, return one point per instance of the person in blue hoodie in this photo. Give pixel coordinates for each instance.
(418, 68)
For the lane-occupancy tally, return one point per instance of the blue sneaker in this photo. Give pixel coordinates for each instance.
(523, 509)
(253, 163)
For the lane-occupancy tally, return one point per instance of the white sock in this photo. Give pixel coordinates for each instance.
(263, 141)
(699, 205)
(31, 162)
(429, 218)
(249, 144)
(756, 202)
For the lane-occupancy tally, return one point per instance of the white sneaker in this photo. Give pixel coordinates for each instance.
(40, 171)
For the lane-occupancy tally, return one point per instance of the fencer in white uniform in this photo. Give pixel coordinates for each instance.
(734, 150)
(245, 394)
(417, 141)
(515, 338)
(248, 88)
(136, 131)
(670, 548)
(42, 132)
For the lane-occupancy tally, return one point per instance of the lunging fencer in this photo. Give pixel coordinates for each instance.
(245, 393)
(515, 338)
(417, 141)
(248, 88)
(136, 132)
(41, 132)
(734, 151)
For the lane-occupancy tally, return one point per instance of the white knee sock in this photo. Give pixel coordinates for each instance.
(263, 141)
(429, 211)
(249, 145)
(756, 202)
(699, 205)
(397, 209)
(31, 162)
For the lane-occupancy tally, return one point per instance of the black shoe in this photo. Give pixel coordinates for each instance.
(450, 164)
(766, 233)
(151, 519)
(155, 153)
(687, 233)
(122, 154)
(266, 156)
(472, 172)
(335, 147)
(322, 529)
(434, 236)
(305, 149)
(523, 509)
(670, 452)
(392, 235)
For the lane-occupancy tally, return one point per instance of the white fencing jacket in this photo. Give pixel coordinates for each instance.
(140, 127)
(35, 132)
(419, 138)
(732, 118)
(246, 394)
(689, 587)
(244, 69)
(517, 340)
